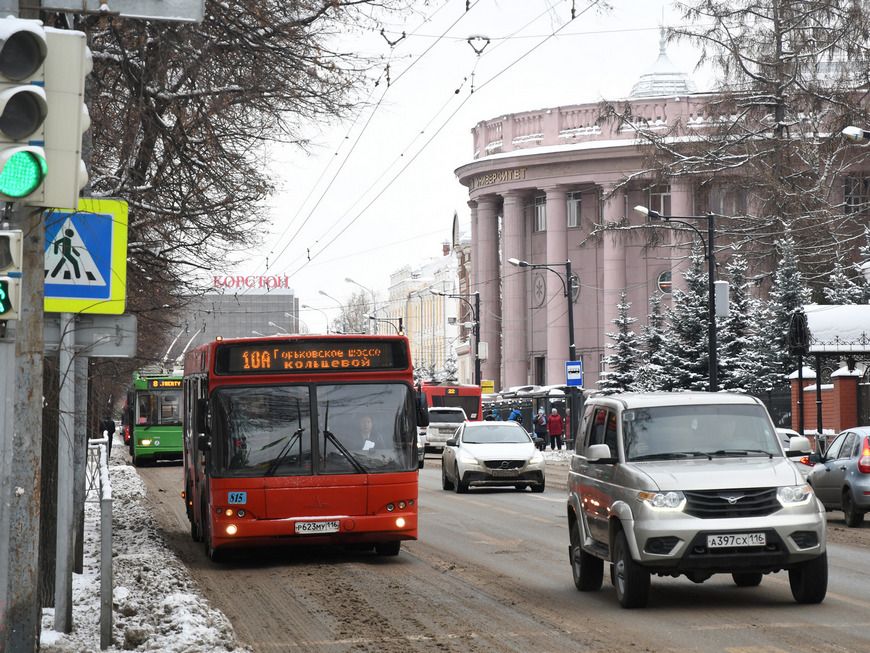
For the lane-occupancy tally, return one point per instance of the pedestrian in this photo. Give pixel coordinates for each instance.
(493, 416)
(555, 429)
(541, 429)
(516, 416)
(107, 429)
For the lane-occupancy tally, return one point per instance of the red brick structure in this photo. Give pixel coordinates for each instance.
(839, 401)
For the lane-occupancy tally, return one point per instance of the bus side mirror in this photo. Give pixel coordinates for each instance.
(422, 411)
(202, 415)
(203, 443)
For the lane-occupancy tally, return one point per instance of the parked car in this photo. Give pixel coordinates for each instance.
(692, 484)
(491, 453)
(804, 463)
(841, 479)
(443, 422)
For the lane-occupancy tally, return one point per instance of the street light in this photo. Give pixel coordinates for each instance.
(856, 134)
(374, 300)
(278, 326)
(475, 316)
(389, 321)
(340, 306)
(709, 254)
(325, 316)
(568, 289)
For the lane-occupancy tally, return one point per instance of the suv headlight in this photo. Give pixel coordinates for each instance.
(793, 495)
(465, 459)
(537, 458)
(673, 500)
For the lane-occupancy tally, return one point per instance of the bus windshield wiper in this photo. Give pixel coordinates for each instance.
(741, 452)
(285, 451)
(329, 436)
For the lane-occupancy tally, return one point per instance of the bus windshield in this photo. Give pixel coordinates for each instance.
(358, 428)
(158, 408)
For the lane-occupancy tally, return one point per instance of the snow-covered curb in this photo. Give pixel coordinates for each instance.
(157, 606)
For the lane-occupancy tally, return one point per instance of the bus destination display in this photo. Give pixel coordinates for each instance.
(164, 383)
(302, 357)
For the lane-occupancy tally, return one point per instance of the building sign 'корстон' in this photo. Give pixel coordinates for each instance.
(252, 281)
(499, 177)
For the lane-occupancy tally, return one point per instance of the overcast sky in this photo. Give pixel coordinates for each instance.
(372, 217)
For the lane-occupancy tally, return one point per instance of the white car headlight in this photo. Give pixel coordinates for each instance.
(537, 458)
(465, 459)
(673, 500)
(793, 495)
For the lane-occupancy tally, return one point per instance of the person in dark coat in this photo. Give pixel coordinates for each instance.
(107, 427)
(541, 429)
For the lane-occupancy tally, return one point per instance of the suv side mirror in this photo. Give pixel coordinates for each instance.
(452, 442)
(600, 454)
(799, 445)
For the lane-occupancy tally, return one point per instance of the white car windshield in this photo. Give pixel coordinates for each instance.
(496, 434)
(714, 430)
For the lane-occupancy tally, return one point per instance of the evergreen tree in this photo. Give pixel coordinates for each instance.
(787, 295)
(653, 373)
(736, 359)
(686, 347)
(864, 259)
(841, 289)
(623, 362)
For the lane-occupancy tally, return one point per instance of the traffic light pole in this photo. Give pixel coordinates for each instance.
(22, 618)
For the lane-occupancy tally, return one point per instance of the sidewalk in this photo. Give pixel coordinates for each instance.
(157, 606)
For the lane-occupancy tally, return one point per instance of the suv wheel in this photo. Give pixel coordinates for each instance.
(446, 484)
(632, 580)
(747, 578)
(587, 570)
(853, 517)
(809, 580)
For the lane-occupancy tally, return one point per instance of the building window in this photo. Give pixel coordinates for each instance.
(857, 194)
(541, 213)
(663, 283)
(660, 199)
(540, 370)
(574, 208)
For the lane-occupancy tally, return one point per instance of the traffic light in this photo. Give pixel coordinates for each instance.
(67, 64)
(23, 108)
(10, 274)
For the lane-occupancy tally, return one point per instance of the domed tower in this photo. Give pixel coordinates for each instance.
(663, 79)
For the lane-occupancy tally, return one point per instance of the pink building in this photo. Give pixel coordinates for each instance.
(537, 184)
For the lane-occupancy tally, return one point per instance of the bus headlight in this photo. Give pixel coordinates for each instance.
(145, 443)
(232, 529)
(400, 522)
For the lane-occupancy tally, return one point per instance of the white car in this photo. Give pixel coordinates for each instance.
(443, 422)
(491, 453)
(421, 446)
(803, 463)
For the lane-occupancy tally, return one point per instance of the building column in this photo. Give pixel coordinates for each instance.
(681, 240)
(487, 281)
(613, 259)
(556, 306)
(515, 307)
(473, 275)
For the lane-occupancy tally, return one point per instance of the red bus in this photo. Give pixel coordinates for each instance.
(464, 396)
(301, 439)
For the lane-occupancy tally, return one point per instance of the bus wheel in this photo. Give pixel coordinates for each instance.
(388, 548)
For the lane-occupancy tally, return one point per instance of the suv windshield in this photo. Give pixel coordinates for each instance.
(712, 430)
(449, 416)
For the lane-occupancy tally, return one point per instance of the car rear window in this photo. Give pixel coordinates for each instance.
(451, 416)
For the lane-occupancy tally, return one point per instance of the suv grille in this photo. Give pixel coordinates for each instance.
(504, 464)
(715, 504)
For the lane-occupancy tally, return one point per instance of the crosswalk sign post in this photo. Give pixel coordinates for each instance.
(86, 258)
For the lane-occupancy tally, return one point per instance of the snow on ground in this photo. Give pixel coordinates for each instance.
(157, 606)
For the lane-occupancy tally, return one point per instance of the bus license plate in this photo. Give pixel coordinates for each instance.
(316, 527)
(736, 539)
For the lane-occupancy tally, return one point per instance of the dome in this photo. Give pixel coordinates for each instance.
(663, 78)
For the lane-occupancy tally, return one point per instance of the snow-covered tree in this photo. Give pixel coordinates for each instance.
(787, 295)
(686, 343)
(622, 364)
(864, 259)
(354, 314)
(653, 373)
(737, 359)
(841, 289)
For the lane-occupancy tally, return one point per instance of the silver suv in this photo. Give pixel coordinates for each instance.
(690, 484)
(443, 422)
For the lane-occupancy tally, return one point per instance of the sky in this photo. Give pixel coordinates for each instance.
(378, 192)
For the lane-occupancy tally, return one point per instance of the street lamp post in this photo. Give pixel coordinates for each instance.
(372, 324)
(568, 288)
(277, 326)
(475, 331)
(325, 316)
(389, 321)
(340, 306)
(709, 254)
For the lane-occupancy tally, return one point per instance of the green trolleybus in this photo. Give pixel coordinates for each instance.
(152, 417)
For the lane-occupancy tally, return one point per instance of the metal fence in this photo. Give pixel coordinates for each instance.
(99, 489)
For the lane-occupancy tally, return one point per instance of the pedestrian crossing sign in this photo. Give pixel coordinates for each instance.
(86, 258)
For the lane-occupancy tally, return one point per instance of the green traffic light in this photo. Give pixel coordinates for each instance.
(5, 299)
(22, 174)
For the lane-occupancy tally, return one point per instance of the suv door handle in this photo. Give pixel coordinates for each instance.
(843, 468)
